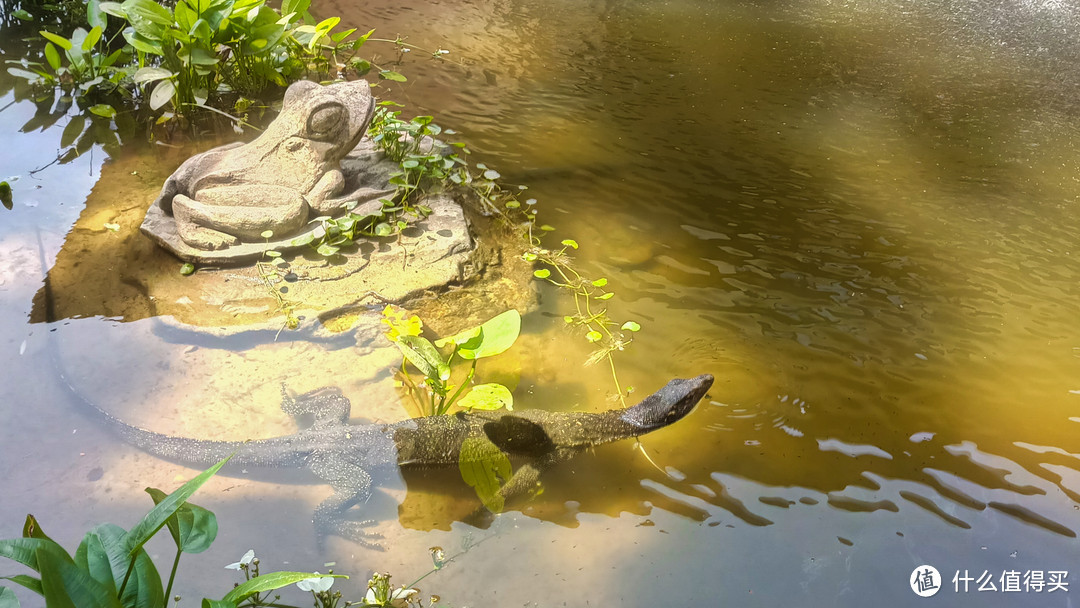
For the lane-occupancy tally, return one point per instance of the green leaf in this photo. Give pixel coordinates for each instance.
(22, 15)
(103, 109)
(29, 582)
(63, 584)
(8, 599)
(594, 336)
(156, 518)
(162, 93)
(93, 557)
(422, 353)
(547, 228)
(193, 528)
(91, 38)
(28, 75)
(489, 339)
(150, 74)
(326, 250)
(269, 582)
(208, 603)
(143, 43)
(114, 9)
(383, 229)
(605, 296)
(145, 12)
(631, 326)
(568, 319)
(187, 269)
(600, 282)
(542, 273)
(59, 41)
(571, 243)
(492, 174)
(52, 56)
(94, 16)
(390, 75)
(104, 555)
(483, 465)
(490, 396)
(31, 527)
(25, 550)
(295, 6)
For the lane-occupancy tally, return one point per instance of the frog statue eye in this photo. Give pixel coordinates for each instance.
(326, 121)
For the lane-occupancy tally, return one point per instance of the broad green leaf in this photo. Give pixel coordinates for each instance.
(28, 75)
(327, 24)
(193, 528)
(22, 15)
(488, 397)
(147, 11)
(156, 518)
(94, 16)
(91, 38)
(295, 6)
(29, 582)
(108, 543)
(422, 353)
(269, 582)
(103, 109)
(8, 599)
(52, 56)
(492, 174)
(489, 339)
(571, 243)
(113, 8)
(31, 527)
(391, 75)
(594, 336)
(600, 282)
(59, 41)
(93, 558)
(483, 465)
(631, 326)
(208, 603)
(542, 273)
(143, 43)
(66, 586)
(150, 74)
(162, 93)
(327, 250)
(606, 296)
(25, 550)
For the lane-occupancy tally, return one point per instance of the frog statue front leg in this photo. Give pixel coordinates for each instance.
(222, 216)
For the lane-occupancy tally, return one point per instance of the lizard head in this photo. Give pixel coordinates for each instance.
(667, 405)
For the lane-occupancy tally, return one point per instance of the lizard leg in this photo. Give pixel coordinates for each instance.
(327, 405)
(351, 485)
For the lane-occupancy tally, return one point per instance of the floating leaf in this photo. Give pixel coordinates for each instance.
(391, 75)
(187, 269)
(568, 319)
(490, 396)
(600, 282)
(631, 326)
(491, 174)
(547, 228)
(542, 273)
(571, 243)
(492, 338)
(594, 336)
(266, 234)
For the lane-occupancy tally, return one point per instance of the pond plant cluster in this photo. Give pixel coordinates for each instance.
(198, 66)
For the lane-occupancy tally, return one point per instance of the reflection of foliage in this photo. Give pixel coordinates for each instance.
(487, 340)
(486, 468)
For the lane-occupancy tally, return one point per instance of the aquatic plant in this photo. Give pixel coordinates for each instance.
(439, 394)
(111, 568)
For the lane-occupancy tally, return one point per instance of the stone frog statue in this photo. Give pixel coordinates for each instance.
(234, 193)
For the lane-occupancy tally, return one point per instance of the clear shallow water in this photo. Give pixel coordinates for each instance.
(860, 217)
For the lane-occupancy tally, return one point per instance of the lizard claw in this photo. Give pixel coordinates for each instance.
(354, 531)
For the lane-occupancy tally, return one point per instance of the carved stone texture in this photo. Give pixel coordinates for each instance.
(217, 205)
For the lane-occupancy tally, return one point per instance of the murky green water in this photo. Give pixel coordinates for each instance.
(860, 217)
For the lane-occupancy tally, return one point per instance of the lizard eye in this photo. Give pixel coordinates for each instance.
(325, 122)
